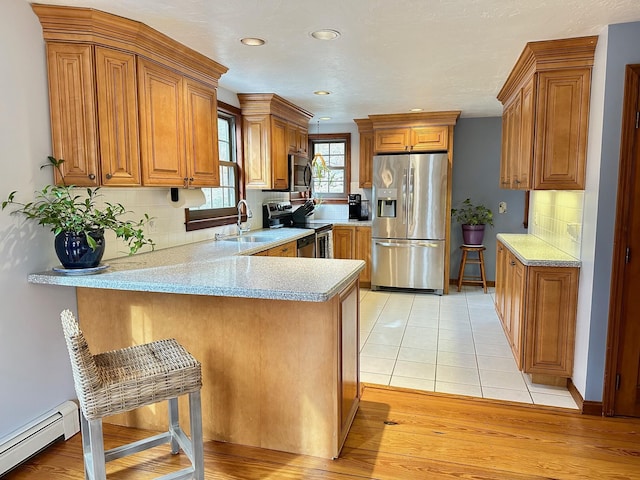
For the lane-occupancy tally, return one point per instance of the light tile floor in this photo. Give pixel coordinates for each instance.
(452, 344)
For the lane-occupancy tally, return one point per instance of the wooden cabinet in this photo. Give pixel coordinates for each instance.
(289, 249)
(73, 112)
(117, 127)
(537, 306)
(354, 243)
(349, 358)
(365, 129)
(411, 139)
(272, 129)
(126, 111)
(545, 116)
(298, 136)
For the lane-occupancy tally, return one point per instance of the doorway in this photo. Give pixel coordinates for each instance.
(622, 380)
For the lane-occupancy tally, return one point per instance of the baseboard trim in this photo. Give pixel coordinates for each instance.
(587, 407)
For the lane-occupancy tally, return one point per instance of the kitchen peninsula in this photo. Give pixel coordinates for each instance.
(277, 337)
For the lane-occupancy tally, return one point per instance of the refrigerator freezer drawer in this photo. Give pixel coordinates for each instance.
(415, 264)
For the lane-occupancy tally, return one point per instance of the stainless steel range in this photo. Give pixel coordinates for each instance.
(282, 214)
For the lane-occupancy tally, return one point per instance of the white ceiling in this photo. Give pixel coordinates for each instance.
(393, 55)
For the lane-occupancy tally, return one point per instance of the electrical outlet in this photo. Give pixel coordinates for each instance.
(502, 207)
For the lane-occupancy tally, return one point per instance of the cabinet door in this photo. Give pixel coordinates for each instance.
(366, 159)
(349, 370)
(117, 117)
(562, 116)
(505, 166)
(524, 164)
(279, 154)
(429, 139)
(73, 112)
(551, 308)
(517, 306)
(343, 239)
(363, 252)
(501, 278)
(257, 170)
(162, 145)
(392, 140)
(302, 141)
(201, 134)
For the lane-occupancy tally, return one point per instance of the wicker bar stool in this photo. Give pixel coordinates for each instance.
(122, 380)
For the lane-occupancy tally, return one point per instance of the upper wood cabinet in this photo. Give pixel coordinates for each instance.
(545, 116)
(365, 129)
(411, 139)
(272, 128)
(129, 105)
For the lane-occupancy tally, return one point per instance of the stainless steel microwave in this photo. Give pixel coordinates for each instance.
(300, 174)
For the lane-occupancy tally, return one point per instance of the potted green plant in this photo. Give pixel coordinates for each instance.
(473, 219)
(77, 223)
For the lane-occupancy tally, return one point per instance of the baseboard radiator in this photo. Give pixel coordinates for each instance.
(61, 422)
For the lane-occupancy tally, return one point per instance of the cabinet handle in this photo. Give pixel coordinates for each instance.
(191, 180)
(512, 263)
(517, 181)
(108, 175)
(186, 182)
(92, 176)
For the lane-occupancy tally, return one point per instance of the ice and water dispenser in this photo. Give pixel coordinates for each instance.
(386, 202)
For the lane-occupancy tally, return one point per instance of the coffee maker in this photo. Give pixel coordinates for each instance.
(358, 208)
(355, 200)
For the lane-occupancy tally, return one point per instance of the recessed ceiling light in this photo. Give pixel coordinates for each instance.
(252, 41)
(415, 110)
(322, 92)
(325, 118)
(325, 34)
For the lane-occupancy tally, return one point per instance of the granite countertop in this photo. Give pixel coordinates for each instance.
(342, 222)
(221, 268)
(532, 251)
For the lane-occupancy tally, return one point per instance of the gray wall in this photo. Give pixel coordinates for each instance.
(35, 375)
(476, 175)
(618, 46)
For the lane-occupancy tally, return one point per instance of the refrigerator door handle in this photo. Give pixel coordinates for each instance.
(404, 197)
(411, 206)
(408, 245)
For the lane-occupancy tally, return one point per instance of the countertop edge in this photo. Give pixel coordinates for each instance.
(568, 262)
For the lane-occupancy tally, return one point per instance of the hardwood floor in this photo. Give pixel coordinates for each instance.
(427, 436)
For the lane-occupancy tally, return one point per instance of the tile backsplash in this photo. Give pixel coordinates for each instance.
(555, 216)
(167, 228)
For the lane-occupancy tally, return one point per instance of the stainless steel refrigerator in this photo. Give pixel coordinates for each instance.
(409, 220)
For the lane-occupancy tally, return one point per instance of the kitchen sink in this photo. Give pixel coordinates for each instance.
(248, 239)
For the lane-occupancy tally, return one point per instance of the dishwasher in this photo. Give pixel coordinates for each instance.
(307, 246)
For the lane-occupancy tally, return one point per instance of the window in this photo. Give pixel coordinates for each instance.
(331, 179)
(220, 207)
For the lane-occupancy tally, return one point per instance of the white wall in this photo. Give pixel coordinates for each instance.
(35, 375)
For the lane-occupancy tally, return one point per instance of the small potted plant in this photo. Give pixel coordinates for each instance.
(77, 223)
(473, 219)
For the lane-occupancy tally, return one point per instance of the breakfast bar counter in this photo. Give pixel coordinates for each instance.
(277, 337)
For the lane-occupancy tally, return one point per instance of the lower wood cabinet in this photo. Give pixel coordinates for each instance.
(289, 249)
(537, 307)
(354, 243)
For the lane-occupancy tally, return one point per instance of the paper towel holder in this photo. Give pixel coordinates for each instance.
(174, 194)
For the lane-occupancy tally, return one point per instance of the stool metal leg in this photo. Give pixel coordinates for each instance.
(94, 460)
(195, 419)
(174, 424)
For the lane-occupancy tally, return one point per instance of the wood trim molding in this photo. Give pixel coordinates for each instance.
(587, 407)
(272, 104)
(417, 119)
(87, 25)
(625, 186)
(549, 55)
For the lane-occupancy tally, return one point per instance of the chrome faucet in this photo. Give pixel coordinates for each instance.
(249, 215)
